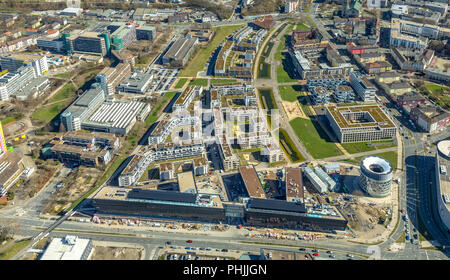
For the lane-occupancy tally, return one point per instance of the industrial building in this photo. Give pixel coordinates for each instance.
(376, 176)
(179, 52)
(360, 123)
(68, 248)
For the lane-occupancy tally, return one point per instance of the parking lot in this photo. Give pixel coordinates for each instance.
(163, 78)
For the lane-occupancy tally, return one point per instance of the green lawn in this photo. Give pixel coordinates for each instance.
(200, 58)
(267, 50)
(314, 138)
(278, 55)
(181, 82)
(434, 88)
(12, 119)
(357, 147)
(46, 113)
(302, 26)
(283, 76)
(289, 93)
(390, 156)
(13, 249)
(263, 70)
(221, 81)
(289, 148)
(199, 82)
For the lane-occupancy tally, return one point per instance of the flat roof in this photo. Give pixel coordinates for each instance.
(252, 182)
(294, 184)
(186, 182)
(443, 156)
(161, 195)
(276, 205)
(381, 119)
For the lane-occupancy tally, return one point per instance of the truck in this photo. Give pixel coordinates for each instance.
(156, 225)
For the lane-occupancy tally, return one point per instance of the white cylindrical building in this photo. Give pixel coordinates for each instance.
(376, 176)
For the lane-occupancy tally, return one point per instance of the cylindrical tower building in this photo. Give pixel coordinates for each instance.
(376, 176)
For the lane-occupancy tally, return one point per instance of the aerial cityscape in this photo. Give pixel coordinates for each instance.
(225, 130)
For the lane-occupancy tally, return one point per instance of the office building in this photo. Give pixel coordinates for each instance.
(137, 83)
(376, 176)
(442, 165)
(86, 42)
(110, 77)
(145, 33)
(12, 82)
(50, 44)
(14, 61)
(360, 123)
(68, 248)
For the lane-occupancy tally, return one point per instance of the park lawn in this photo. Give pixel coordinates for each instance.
(264, 70)
(46, 113)
(12, 250)
(357, 147)
(282, 75)
(289, 93)
(302, 26)
(390, 156)
(12, 119)
(199, 82)
(221, 81)
(288, 147)
(200, 58)
(267, 50)
(181, 82)
(278, 55)
(314, 138)
(66, 92)
(437, 88)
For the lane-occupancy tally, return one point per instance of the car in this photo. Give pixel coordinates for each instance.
(407, 237)
(302, 249)
(187, 248)
(316, 254)
(329, 252)
(202, 249)
(414, 230)
(168, 242)
(224, 250)
(332, 256)
(350, 255)
(315, 250)
(208, 249)
(189, 241)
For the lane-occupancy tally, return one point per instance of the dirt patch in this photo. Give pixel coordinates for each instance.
(293, 110)
(115, 253)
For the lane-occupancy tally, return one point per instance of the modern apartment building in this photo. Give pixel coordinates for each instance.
(365, 89)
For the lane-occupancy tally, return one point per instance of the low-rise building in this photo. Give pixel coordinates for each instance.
(180, 52)
(429, 117)
(68, 248)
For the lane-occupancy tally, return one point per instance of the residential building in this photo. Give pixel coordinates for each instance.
(365, 89)
(429, 117)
